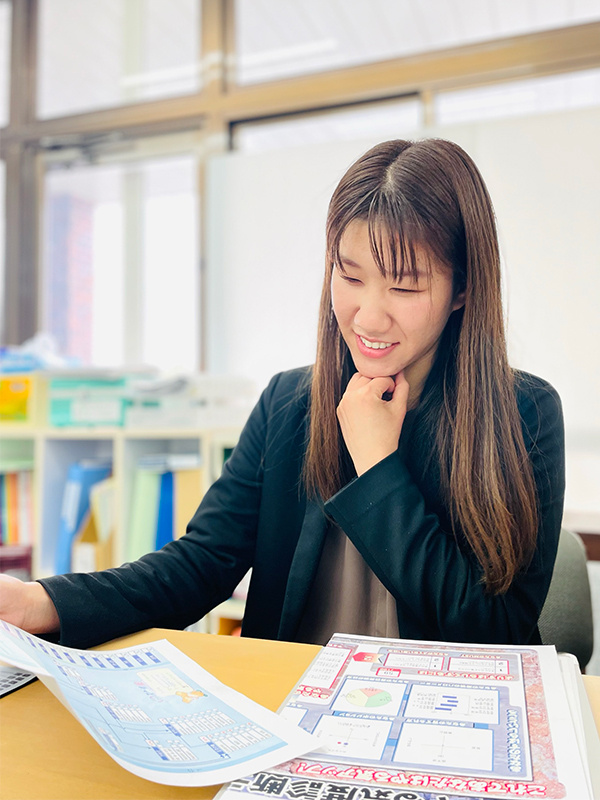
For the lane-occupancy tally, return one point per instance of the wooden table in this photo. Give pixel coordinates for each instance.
(45, 754)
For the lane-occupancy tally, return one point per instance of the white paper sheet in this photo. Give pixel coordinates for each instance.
(157, 713)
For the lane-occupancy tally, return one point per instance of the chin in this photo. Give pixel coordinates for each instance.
(376, 373)
(376, 370)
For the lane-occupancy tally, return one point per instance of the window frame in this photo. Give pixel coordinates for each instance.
(218, 106)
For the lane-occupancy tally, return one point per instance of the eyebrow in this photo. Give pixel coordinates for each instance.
(348, 262)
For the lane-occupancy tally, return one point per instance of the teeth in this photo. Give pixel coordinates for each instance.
(376, 345)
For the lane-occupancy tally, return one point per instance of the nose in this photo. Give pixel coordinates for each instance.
(372, 317)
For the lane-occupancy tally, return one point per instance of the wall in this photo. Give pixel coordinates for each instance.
(266, 238)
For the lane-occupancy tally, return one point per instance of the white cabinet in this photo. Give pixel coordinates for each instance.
(54, 449)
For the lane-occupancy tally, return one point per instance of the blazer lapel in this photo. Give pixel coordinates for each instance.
(303, 568)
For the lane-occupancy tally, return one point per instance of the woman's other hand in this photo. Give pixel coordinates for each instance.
(27, 605)
(370, 424)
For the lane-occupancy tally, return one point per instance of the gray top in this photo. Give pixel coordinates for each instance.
(346, 596)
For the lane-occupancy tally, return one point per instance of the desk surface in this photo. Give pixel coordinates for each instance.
(45, 754)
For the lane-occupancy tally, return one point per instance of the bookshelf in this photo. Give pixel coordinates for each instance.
(224, 619)
(53, 449)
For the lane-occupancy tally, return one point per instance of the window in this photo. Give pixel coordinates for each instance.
(285, 38)
(113, 52)
(376, 121)
(264, 276)
(120, 261)
(5, 21)
(553, 93)
(2, 240)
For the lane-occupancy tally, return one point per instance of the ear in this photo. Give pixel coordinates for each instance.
(459, 301)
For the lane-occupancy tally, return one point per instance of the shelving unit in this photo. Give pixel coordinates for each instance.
(54, 449)
(224, 619)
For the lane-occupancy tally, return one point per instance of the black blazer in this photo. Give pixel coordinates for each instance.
(257, 515)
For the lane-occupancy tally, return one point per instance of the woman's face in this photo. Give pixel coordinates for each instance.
(390, 327)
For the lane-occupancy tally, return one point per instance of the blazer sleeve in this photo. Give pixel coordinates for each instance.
(437, 584)
(179, 584)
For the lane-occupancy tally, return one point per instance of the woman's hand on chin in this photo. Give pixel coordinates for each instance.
(371, 423)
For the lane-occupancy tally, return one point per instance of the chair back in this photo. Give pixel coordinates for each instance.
(566, 619)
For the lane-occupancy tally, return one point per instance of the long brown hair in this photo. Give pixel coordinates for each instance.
(430, 194)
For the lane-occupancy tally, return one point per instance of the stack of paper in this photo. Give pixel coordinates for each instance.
(194, 401)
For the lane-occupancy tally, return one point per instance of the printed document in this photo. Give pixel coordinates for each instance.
(400, 719)
(157, 713)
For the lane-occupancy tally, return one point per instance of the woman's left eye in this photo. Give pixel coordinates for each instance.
(401, 290)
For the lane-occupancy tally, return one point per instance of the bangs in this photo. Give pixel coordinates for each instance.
(400, 243)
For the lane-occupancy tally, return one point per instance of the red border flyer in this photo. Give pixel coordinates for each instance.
(432, 719)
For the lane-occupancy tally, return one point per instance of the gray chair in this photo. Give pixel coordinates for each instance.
(566, 618)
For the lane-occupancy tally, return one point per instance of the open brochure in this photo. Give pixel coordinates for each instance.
(413, 720)
(156, 712)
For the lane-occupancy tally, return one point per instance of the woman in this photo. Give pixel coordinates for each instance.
(410, 484)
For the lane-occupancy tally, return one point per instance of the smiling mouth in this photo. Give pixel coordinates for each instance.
(374, 349)
(376, 345)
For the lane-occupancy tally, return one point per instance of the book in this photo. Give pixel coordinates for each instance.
(16, 500)
(3, 512)
(402, 718)
(103, 506)
(141, 535)
(16, 507)
(92, 546)
(9, 517)
(167, 489)
(81, 476)
(25, 506)
(164, 521)
(12, 508)
(90, 553)
(187, 494)
(169, 462)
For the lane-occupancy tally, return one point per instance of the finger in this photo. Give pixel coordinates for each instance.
(401, 388)
(400, 378)
(357, 380)
(382, 385)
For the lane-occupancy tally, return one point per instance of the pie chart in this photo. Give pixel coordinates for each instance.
(369, 697)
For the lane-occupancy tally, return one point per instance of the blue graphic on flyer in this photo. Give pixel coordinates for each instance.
(142, 708)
